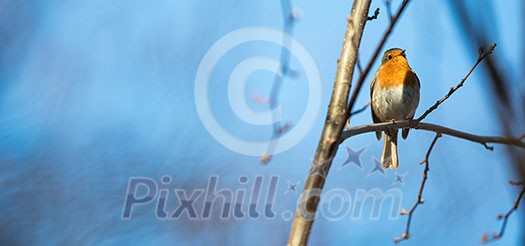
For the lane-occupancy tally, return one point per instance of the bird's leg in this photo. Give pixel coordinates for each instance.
(391, 130)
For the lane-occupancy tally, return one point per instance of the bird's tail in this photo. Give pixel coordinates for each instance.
(389, 157)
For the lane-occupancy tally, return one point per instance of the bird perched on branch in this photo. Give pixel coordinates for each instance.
(394, 93)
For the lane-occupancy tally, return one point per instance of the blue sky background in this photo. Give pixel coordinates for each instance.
(95, 92)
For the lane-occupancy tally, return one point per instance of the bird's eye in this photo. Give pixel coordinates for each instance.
(389, 57)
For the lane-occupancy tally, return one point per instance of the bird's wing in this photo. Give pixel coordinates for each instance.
(374, 117)
(417, 78)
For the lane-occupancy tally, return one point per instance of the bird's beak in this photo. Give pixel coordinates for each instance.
(403, 52)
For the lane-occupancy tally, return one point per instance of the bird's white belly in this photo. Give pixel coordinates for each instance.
(395, 103)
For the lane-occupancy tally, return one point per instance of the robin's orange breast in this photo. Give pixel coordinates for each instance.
(396, 72)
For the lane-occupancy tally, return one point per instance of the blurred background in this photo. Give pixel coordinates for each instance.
(95, 92)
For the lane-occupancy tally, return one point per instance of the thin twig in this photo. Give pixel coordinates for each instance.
(488, 238)
(359, 67)
(378, 49)
(362, 109)
(481, 56)
(388, 6)
(516, 183)
(278, 128)
(420, 200)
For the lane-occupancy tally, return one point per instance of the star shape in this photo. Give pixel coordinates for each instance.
(399, 178)
(353, 156)
(291, 186)
(378, 167)
(320, 168)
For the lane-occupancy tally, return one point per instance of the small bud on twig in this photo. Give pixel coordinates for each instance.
(492, 47)
(481, 50)
(265, 158)
(374, 16)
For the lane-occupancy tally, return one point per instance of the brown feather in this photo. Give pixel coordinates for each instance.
(374, 117)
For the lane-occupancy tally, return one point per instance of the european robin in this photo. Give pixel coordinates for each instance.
(394, 93)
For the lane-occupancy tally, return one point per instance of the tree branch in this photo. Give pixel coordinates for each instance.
(358, 111)
(486, 237)
(481, 56)
(362, 108)
(420, 200)
(333, 127)
(484, 140)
